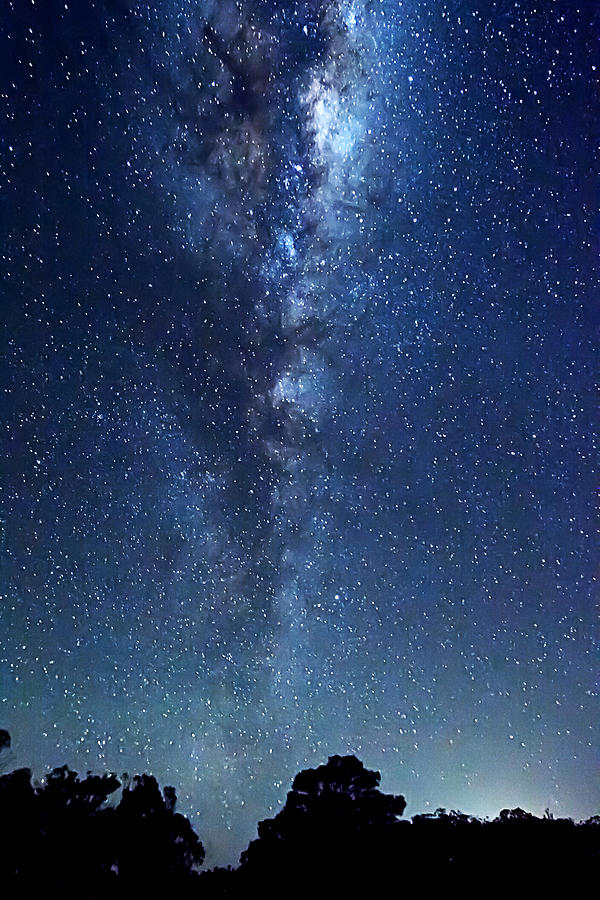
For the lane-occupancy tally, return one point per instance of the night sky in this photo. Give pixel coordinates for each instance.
(298, 412)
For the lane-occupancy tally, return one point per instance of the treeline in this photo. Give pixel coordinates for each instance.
(337, 835)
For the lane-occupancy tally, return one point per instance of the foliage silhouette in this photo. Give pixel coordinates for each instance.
(337, 835)
(334, 827)
(61, 838)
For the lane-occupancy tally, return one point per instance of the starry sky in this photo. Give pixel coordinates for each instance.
(298, 417)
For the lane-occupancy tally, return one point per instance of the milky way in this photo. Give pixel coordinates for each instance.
(298, 435)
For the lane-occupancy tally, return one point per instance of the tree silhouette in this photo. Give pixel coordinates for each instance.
(337, 835)
(333, 828)
(153, 844)
(60, 837)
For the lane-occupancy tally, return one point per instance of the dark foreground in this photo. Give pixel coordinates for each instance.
(336, 836)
